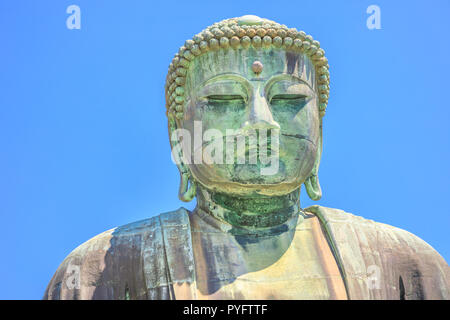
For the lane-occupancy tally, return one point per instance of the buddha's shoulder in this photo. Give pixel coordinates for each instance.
(346, 226)
(120, 248)
(399, 256)
(133, 234)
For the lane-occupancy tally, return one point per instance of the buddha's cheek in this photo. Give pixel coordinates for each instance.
(298, 159)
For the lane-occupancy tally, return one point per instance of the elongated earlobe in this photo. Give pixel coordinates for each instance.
(312, 184)
(188, 189)
(313, 187)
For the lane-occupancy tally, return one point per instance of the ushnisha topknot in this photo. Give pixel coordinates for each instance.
(244, 32)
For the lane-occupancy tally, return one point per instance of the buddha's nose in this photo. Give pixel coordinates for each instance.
(259, 116)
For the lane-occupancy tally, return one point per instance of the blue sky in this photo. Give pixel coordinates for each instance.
(83, 136)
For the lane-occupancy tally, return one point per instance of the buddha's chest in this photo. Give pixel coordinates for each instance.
(296, 265)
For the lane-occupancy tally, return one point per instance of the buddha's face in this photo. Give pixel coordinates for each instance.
(249, 94)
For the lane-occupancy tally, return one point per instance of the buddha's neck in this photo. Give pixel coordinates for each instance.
(251, 213)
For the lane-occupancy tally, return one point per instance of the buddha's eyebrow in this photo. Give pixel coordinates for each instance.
(228, 77)
(286, 77)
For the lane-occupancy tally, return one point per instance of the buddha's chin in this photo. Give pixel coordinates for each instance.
(249, 190)
(247, 181)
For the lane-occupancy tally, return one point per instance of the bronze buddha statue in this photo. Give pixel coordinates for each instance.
(239, 81)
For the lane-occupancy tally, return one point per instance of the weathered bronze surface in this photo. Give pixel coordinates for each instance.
(248, 237)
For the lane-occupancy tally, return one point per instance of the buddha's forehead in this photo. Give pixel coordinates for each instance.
(239, 62)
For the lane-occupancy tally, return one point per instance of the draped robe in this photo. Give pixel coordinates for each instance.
(154, 259)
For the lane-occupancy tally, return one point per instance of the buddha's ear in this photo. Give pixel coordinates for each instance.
(312, 184)
(187, 189)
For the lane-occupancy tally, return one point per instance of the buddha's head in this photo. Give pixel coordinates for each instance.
(258, 89)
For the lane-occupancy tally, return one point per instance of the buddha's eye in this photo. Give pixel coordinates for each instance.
(231, 102)
(288, 98)
(224, 98)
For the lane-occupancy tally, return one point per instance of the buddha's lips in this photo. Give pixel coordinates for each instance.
(258, 146)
